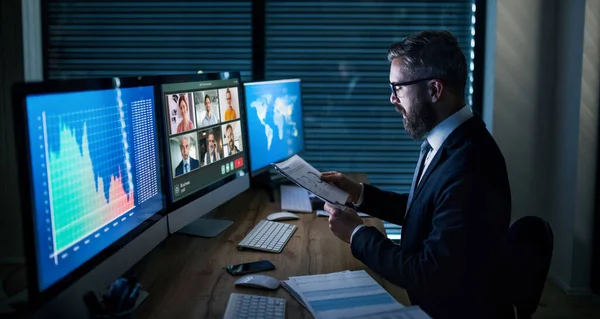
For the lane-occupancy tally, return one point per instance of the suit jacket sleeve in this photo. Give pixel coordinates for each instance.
(378, 203)
(440, 262)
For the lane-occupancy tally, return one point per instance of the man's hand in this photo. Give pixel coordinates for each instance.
(342, 223)
(345, 183)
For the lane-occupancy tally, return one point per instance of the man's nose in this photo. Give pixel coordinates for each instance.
(393, 98)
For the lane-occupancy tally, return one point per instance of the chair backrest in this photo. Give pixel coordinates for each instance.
(530, 242)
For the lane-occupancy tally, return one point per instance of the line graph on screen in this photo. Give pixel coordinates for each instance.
(89, 173)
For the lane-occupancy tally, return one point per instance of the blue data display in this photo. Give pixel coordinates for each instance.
(95, 169)
(275, 124)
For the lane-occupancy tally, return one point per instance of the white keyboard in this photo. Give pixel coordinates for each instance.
(295, 199)
(253, 306)
(268, 236)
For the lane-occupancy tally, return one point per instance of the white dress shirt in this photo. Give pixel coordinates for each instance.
(436, 138)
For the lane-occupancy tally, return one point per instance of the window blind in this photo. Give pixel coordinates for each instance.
(338, 49)
(130, 38)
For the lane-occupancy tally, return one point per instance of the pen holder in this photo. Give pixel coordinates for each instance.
(119, 301)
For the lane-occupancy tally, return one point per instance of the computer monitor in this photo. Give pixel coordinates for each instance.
(90, 183)
(206, 153)
(275, 124)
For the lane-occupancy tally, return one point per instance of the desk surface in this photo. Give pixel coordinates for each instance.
(185, 278)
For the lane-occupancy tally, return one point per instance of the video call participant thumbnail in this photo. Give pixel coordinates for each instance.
(184, 151)
(214, 146)
(232, 138)
(182, 112)
(230, 109)
(207, 107)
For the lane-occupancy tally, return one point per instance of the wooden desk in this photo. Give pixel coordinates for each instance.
(185, 277)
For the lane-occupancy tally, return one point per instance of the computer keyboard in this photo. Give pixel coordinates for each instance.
(295, 199)
(268, 236)
(253, 306)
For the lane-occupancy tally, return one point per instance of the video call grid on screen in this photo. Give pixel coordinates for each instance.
(205, 134)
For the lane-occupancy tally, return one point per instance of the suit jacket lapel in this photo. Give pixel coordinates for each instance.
(434, 162)
(462, 131)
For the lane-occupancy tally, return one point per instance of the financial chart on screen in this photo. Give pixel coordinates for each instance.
(95, 171)
(275, 124)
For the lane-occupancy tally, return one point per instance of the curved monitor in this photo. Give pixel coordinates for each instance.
(205, 145)
(275, 123)
(91, 179)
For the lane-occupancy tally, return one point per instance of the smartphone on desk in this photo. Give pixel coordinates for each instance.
(249, 268)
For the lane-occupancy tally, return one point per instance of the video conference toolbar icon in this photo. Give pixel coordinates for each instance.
(238, 163)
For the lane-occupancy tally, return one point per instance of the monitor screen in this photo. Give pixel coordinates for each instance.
(275, 123)
(95, 172)
(204, 126)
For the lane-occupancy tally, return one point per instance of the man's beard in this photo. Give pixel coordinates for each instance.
(420, 120)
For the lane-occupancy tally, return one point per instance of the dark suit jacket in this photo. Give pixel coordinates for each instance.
(453, 234)
(194, 163)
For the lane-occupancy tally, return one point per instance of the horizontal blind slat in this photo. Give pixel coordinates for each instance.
(131, 38)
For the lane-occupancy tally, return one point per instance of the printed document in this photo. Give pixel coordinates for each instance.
(348, 294)
(304, 175)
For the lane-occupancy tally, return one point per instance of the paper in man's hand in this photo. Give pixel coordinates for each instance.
(304, 175)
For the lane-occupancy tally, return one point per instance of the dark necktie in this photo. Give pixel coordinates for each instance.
(425, 148)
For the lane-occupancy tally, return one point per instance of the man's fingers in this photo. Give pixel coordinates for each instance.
(331, 210)
(331, 177)
(328, 208)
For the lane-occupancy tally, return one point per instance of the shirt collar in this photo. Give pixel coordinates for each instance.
(440, 132)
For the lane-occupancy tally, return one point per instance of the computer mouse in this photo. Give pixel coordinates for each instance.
(282, 216)
(258, 281)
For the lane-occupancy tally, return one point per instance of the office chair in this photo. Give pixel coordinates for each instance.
(530, 242)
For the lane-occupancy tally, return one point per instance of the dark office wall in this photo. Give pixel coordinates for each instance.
(593, 41)
(543, 117)
(11, 70)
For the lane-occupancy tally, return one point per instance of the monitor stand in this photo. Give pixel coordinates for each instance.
(263, 181)
(206, 227)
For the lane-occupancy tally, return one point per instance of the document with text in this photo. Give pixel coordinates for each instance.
(304, 175)
(347, 294)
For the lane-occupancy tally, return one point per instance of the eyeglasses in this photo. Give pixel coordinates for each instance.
(394, 85)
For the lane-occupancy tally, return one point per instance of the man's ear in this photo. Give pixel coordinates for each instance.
(435, 89)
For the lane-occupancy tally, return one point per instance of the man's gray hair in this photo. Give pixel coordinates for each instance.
(184, 137)
(433, 54)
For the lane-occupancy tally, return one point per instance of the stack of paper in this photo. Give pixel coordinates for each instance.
(347, 294)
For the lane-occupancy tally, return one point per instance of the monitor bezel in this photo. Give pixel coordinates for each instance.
(20, 91)
(267, 167)
(194, 77)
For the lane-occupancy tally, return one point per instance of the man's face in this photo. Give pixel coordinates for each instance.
(184, 146)
(207, 105)
(411, 101)
(228, 96)
(212, 145)
(229, 134)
